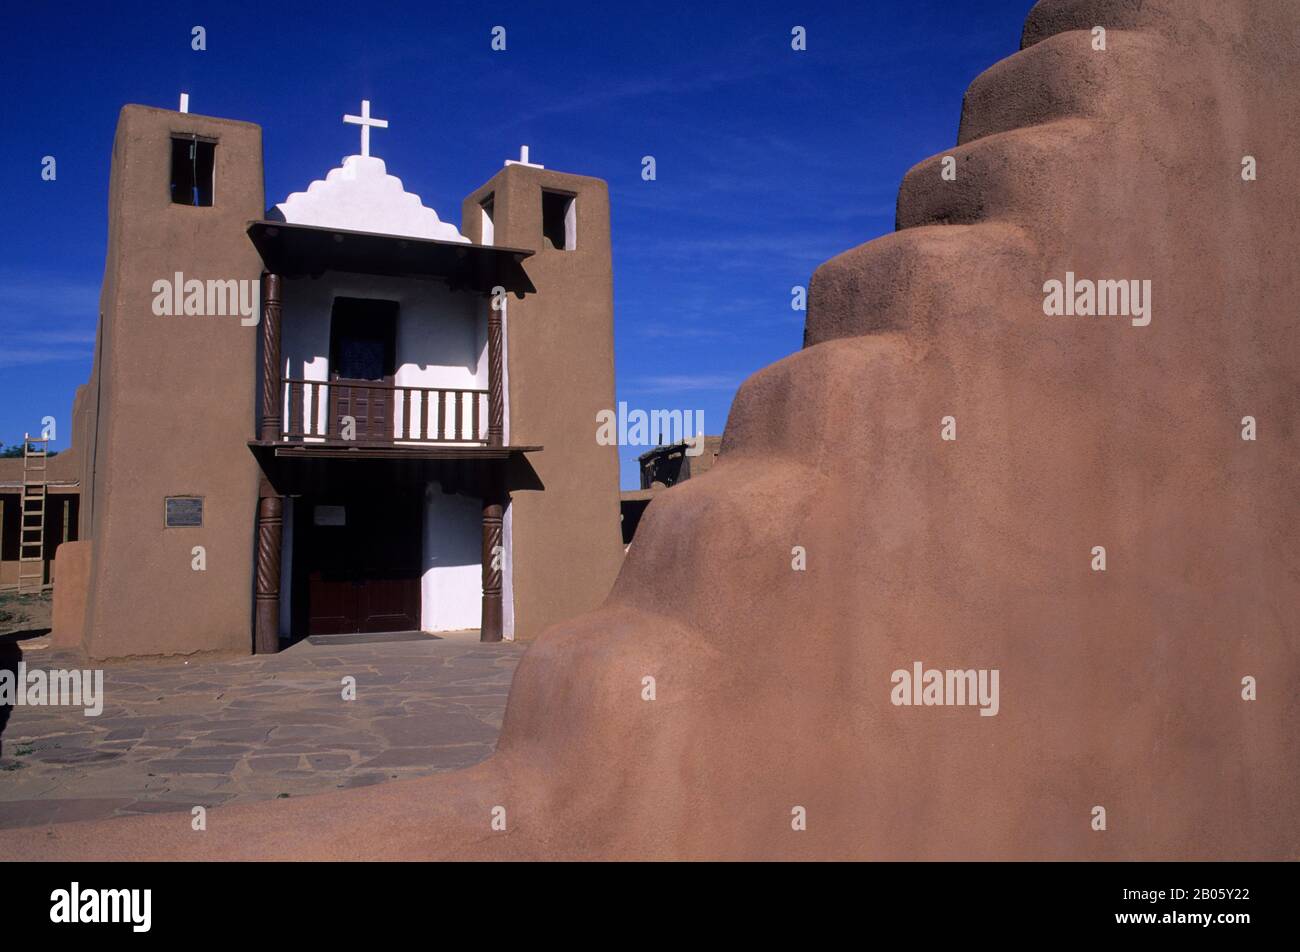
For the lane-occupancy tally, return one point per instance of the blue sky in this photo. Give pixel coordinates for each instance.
(769, 160)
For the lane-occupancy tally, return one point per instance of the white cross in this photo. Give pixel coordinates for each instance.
(365, 122)
(523, 159)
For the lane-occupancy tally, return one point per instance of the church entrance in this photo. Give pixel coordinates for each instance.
(359, 559)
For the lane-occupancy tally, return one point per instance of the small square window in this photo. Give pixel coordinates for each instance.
(193, 160)
(559, 220)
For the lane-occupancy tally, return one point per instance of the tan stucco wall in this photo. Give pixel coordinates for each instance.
(72, 566)
(175, 402)
(560, 344)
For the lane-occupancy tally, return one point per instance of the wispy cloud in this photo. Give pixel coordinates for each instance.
(49, 296)
(69, 336)
(682, 83)
(45, 319)
(682, 383)
(25, 356)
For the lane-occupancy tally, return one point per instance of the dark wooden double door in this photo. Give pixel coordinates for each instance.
(360, 561)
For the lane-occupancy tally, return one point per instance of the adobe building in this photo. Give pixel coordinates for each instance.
(39, 511)
(662, 467)
(342, 414)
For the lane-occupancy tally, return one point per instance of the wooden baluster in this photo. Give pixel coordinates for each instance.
(295, 427)
(403, 415)
(442, 414)
(473, 435)
(460, 409)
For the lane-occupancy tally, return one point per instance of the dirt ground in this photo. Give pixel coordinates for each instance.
(26, 615)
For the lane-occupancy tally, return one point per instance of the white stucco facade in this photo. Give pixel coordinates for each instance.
(451, 588)
(441, 342)
(360, 195)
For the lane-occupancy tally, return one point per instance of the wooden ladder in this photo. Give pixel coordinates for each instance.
(31, 515)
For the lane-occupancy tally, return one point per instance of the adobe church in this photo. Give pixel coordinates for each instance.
(397, 436)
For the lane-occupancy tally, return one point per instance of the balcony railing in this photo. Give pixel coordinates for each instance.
(319, 410)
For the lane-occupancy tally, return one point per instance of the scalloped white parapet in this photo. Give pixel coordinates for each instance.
(362, 196)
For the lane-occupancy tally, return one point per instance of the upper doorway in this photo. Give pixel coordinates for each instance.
(363, 366)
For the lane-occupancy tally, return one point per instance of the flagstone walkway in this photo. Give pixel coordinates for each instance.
(174, 736)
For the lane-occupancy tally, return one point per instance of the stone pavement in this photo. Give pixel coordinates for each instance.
(174, 736)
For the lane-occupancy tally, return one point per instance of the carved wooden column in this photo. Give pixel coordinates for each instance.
(496, 393)
(271, 417)
(270, 507)
(270, 519)
(493, 559)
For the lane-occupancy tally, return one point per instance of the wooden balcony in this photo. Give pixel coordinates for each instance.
(364, 414)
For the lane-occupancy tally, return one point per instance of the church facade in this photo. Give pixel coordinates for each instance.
(341, 414)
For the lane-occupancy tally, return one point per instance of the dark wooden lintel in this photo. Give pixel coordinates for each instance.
(345, 451)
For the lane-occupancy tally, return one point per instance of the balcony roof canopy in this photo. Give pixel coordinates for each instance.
(291, 250)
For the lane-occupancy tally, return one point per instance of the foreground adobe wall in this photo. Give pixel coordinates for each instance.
(1118, 689)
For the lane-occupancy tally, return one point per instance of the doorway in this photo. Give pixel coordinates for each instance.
(363, 365)
(359, 558)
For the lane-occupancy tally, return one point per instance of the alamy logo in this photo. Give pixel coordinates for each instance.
(103, 905)
(177, 297)
(1105, 298)
(932, 687)
(634, 428)
(37, 688)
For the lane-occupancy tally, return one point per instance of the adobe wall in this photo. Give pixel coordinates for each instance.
(72, 567)
(566, 542)
(175, 401)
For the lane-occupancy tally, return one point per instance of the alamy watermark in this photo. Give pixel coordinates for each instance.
(930, 687)
(55, 688)
(76, 905)
(652, 428)
(232, 297)
(1105, 298)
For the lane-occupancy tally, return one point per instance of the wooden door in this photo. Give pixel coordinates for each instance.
(363, 366)
(363, 563)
